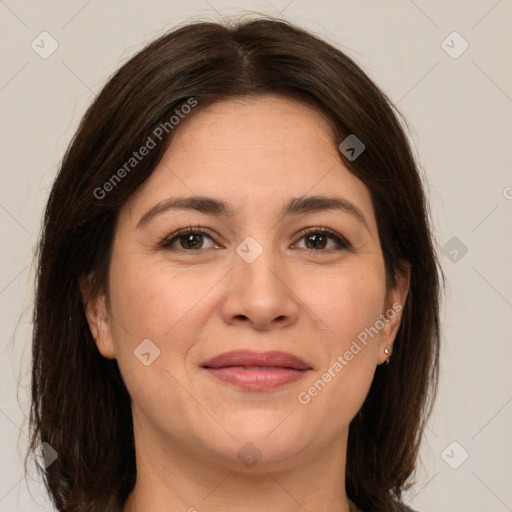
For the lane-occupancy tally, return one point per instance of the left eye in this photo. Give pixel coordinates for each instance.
(191, 239)
(318, 239)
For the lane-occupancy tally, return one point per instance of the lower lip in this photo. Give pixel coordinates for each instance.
(257, 378)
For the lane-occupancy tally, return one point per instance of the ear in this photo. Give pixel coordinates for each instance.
(393, 309)
(97, 318)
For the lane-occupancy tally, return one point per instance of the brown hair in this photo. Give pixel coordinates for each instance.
(80, 405)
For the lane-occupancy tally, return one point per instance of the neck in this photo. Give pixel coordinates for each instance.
(178, 479)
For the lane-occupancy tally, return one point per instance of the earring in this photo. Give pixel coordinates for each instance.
(387, 351)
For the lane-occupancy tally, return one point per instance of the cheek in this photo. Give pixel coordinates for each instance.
(153, 298)
(159, 302)
(348, 310)
(168, 307)
(347, 303)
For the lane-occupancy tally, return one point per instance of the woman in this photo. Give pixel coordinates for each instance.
(237, 301)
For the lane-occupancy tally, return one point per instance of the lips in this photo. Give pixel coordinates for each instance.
(248, 358)
(257, 371)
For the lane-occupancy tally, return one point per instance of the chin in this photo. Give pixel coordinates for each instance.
(260, 442)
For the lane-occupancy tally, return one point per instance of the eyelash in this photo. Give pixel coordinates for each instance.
(342, 243)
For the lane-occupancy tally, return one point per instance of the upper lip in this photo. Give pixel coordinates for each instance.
(273, 358)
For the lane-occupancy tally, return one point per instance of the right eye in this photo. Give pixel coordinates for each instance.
(188, 238)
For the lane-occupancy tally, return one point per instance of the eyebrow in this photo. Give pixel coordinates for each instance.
(218, 208)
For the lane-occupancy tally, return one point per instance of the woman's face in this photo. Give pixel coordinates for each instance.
(258, 276)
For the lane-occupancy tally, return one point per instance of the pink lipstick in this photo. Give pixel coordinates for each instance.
(257, 371)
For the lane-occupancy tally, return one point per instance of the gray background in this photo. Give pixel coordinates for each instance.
(459, 111)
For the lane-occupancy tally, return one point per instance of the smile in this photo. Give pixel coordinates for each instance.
(257, 378)
(257, 371)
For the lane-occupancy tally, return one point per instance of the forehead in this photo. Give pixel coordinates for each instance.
(254, 121)
(252, 151)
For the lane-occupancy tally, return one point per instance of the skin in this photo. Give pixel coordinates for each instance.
(255, 154)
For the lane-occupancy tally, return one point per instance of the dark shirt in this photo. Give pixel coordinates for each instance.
(399, 507)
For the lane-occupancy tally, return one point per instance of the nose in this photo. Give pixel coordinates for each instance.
(260, 293)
